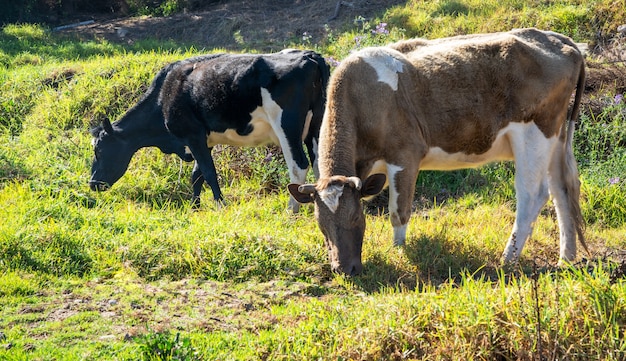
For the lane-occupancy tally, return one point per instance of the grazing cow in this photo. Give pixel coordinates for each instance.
(235, 99)
(448, 104)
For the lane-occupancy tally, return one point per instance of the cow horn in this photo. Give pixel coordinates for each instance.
(355, 182)
(108, 128)
(307, 188)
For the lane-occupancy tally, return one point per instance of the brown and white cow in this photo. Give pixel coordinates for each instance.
(448, 104)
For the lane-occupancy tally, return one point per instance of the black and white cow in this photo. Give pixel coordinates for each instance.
(234, 99)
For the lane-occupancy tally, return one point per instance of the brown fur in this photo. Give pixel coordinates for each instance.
(443, 85)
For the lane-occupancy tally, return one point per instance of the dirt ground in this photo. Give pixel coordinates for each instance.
(263, 25)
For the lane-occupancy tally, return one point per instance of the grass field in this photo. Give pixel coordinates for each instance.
(135, 273)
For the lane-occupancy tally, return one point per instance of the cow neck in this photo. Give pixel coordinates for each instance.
(143, 125)
(337, 149)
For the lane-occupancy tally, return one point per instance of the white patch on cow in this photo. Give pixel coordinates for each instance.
(266, 123)
(307, 124)
(298, 175)
(263, 132)
(438, 159)
(271, 108)
(266, 120)
(392, 170)
(330, 196)
(386, 65)
(315, 165)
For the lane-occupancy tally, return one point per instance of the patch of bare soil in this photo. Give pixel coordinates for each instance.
(239, 24)
(604, 81)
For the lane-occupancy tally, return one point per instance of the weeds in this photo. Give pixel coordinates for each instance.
(163, 346)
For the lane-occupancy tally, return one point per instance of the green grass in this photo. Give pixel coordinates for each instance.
(582, 20)
(135, 273)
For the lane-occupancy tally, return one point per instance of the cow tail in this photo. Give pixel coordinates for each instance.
(318, 107)
(570, 170)
(324, 70)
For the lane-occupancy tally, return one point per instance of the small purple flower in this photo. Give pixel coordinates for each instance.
(619, 98)
(268, 157)
(332, 61)
(614, 180)
(381, 29)
(357, 40)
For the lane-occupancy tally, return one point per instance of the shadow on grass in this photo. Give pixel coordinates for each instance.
(12, 169)
(432, 261)
(435, 261)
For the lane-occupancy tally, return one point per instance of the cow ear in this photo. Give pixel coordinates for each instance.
(302, 193)
(108, 128)
(373, 185)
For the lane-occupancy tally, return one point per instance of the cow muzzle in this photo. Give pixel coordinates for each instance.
(353, 268)
(99, 186)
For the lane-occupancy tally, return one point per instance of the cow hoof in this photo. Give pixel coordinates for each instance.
(293, 206)
(564, 263)
(219, 204)
(508, 263)
(195, 204)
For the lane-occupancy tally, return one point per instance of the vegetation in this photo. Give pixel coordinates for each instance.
(58, 10)
(135, 273)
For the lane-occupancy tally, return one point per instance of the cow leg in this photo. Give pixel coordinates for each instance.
(290, 140)
(297, 174)
(401, 191)
(311, 140)
(531, 195)
(311, 145)
(563, 203)
(531, 186)
(204, 161)
(197, 181)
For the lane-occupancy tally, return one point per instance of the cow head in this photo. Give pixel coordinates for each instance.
(339, 214)
(113, 153)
